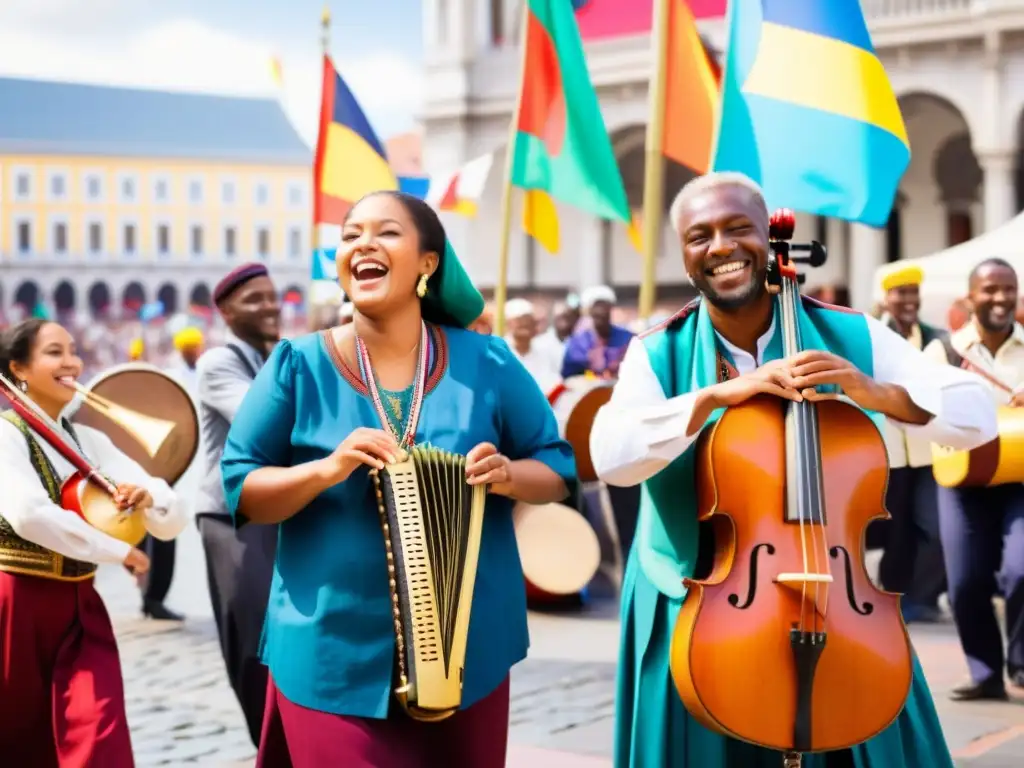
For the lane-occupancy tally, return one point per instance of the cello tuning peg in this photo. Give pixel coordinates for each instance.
(782, 224)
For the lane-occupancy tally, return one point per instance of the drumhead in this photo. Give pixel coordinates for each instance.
(579, 425)
(559, 550)
(152, 395)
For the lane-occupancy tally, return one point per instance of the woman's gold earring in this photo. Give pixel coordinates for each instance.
(421, 286)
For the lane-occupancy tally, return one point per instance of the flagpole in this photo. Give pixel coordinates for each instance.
(501, 287)
(325, 46)
(654, 165)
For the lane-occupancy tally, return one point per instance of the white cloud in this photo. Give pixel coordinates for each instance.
(185, 54)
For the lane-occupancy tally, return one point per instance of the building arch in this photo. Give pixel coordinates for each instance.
(64, 298)
(943, 170)
(133, 297)
(99, 299)
(167, 295)
(201, 296)
(27, 296)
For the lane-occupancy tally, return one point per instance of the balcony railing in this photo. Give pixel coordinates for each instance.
(898, 9)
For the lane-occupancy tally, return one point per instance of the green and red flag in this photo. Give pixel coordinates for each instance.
(561, 149)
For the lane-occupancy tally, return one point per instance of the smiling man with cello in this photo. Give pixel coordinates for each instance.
(725, 352)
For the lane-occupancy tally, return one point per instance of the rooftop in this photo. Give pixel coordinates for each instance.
(60, 118)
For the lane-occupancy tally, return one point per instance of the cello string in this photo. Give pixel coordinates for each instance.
(790, 330)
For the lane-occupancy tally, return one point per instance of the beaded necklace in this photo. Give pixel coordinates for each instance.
(393, 424)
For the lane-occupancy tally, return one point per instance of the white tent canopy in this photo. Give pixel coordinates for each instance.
(945, 272)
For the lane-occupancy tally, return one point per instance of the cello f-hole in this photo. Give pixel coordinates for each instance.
(734, 599)
(851, 596)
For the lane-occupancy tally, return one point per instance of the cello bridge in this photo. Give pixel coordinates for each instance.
(799, 579)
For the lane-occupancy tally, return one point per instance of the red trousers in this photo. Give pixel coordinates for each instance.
(61, 692)
(296, 737)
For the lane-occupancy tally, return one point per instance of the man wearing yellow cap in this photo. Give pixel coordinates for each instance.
(189, 343)
(912, 553)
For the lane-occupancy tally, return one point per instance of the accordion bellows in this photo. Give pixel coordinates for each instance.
(432, 521)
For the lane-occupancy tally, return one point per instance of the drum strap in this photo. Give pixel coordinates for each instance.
(958, 360)
(952, 356)
(245, 360)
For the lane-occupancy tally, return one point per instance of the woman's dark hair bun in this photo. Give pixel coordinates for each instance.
(16, 344)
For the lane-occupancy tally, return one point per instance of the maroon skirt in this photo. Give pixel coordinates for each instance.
(61, 692)
(296, 737)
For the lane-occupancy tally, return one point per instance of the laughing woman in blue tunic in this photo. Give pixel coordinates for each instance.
(718, 352)
(325, 409)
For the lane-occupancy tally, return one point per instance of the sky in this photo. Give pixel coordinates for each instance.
(225, 46)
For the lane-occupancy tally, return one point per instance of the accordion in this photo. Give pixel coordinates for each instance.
(432, 521)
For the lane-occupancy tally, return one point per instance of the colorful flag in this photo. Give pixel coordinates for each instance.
(561, 150)
(460, 192)
(350, 160)
(417, 186)
(600, 19)
(808, 111)
(691, 92)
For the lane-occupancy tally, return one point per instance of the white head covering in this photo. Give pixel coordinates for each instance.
(597, 293)
(516, 308)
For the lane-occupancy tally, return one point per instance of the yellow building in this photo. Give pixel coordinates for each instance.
(114, 197)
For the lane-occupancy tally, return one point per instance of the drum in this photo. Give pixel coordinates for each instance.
(147, 414)
(994, 463)
(581, 400)
(558, 548)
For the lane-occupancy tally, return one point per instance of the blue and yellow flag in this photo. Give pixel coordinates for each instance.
(350, 160)
(808, 111)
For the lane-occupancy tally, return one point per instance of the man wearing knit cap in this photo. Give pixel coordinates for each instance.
(912, 561)
(598, 347)
(239, 563)
(521, 338)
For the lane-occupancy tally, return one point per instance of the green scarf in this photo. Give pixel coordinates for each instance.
(667, 529)
(451, 298)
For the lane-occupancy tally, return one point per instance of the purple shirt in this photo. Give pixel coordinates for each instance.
(586, 351)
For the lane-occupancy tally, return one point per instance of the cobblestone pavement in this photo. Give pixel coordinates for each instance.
(183, 713)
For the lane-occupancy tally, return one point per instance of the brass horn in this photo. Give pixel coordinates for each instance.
(148, 431)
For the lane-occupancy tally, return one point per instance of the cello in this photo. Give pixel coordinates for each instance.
(787, 644)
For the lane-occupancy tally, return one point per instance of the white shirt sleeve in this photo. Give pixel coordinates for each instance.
(169, 514)
(639, 431)
(35, 518)
(965, 416)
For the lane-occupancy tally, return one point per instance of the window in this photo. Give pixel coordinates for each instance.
(295, 243)
(58, 186)
(229, 241)
(24, 230)
(128, 244)
(95, 238)
(60, 237)
(263, 242)
(93, 187)
(161, 191)
(197, 241)
(227, 193)
(128, 189)
(262, 194)
(163, 239)
(23, 185)
(195, 191)
(295, 196)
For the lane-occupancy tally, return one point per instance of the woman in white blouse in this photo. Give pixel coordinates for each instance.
(61, 692)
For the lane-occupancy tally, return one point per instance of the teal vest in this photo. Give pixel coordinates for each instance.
(684, 355)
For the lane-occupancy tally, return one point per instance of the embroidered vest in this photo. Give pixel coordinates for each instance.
(20, 556)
